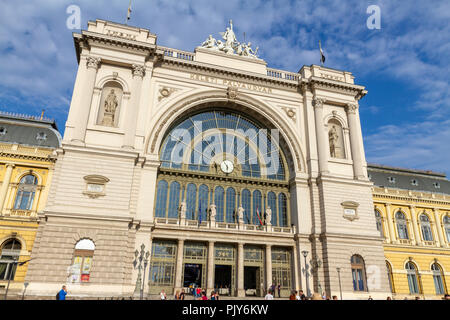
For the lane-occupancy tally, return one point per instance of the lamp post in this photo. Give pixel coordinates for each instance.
(140, 257)
(316, 264)
(308, 293)
(339, 277)
(14, 266)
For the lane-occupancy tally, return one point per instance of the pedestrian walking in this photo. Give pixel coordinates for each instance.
(61, 295)
(163, 295)
(182, 295)
(279, 290)
(269, 295)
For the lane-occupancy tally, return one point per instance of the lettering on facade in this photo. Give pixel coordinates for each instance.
(119, 34)
(230, 83)
(329, 76)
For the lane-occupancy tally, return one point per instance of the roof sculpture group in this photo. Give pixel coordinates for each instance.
(230, 45)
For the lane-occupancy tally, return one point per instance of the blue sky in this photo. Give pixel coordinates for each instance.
(405, 117)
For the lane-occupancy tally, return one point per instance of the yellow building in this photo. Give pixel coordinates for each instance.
(27, 159)
(412, 210)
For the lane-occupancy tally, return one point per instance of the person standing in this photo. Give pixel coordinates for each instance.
(182, 295)
(177, 295)
(293, 295)
(302, 295)
(163, 295)
(279, 290)
(269, 295)
(62, 293)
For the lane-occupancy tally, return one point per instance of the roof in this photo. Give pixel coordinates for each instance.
(408, 179)
(29, 130)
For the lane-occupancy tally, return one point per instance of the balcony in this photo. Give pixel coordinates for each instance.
(15, 213)
(217, 225)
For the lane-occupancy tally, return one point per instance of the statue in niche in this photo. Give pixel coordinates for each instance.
(212, 212)
(183, 210)
(111, 104)
(241, 215)
(333, 138)
(268, 216)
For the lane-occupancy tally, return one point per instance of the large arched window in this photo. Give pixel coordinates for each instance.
(358, 273)
(438, 278)
(247, 205)
(447, 227)
(25, 193)
(272, 202)
(412, 275)
(390, 276)
(229, 151)
(82, 261)
(402, 227)
(202, 201)
(191, 196)
(9, 255)
(282, 206)
(427, 235)
(231, 205)
(379, 222)
(174, 199)
(161, 198)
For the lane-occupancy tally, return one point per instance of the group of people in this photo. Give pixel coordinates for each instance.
(198, 294)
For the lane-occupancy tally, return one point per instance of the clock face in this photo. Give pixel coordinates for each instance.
(227, 166)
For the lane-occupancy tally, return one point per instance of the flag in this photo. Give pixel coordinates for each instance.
(322, 56)
(129, 12)
(257, 213)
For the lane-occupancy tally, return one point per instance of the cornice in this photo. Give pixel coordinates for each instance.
(24, 156)
(335, 86)
(407, 199)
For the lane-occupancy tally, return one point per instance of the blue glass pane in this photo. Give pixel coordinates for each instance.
(272, 202)
(191, 194)
(174, 200)
(246, 204)
(219, 202)
(231, 205)
(257, 207)
(161, 199)
(203, 202)
(282, 206)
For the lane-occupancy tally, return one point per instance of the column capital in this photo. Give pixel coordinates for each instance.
(351, 107)
(318, 102)
(93, 62)
(412, 206)
(10, 164)
(138, 70)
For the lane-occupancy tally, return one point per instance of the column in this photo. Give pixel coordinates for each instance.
(385, 226)
(268, 266)
(37, 195)
(5, 185)
(355, 141)
(179, 267)
(320, 133)
(92, 65)
(434, 230)
(240, 273)
(133, 107)
(390, 222)
(296, 268)
(418, 240)
(439, 227)
(210, 271)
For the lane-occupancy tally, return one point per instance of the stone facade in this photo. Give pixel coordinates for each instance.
(329, 206)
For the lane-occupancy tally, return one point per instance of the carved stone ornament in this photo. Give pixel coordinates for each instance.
(93, 62)
(318, 102)
(351, 107)
(95, 186)
(350, 210)
(232, 93)
(230, 45)
(165, 92)
(138, 70)
(290, 113)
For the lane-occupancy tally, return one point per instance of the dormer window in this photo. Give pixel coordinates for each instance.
(437, 185)
(370, 177)
(391, 179)
(414, 182)
(2, 131)
(41, 136)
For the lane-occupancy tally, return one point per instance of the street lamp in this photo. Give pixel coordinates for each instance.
(339, 277)
(138, 259)
(15, 263)
(316, 264)
(305, 253)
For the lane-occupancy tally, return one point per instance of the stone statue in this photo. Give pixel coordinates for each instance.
(182, 210)
(212, 212)
(230, 39)
(248, 51)
(241, 215)
(111, 104)
(268, 216)
(210, 43)
(333, 138)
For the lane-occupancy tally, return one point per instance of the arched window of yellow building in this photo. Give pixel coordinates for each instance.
(25, 193)
(447, 226)
(402, 227)
(438, 278)
(426, 228)
(413, 283)
(379, 222)
(9, 255)
(358, 273)
(82, 261)
(390, 276)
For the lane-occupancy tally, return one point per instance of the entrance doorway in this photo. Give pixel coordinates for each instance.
(252, 281)
(192, 275)
(222, 279)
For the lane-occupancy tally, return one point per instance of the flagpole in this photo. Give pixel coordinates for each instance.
(128, 13)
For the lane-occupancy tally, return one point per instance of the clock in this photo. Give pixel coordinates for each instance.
(227, 166)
